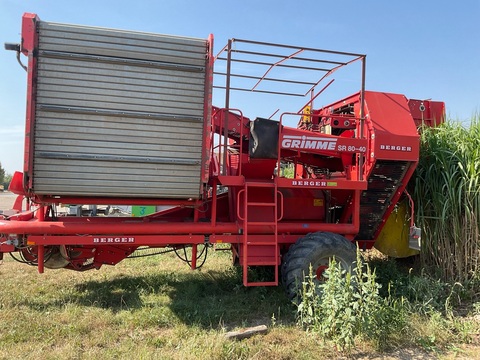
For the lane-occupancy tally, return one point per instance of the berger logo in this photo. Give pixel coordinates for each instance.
(396, 148)
(113, 240)
(308, 142)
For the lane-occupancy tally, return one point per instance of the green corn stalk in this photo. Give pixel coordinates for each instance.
(447, 196)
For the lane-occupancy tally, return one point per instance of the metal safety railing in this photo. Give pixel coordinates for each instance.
(285, 70)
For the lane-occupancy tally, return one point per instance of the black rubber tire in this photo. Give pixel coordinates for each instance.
(316, 249)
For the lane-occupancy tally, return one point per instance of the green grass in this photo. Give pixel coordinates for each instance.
(156, 308)
(146, 308)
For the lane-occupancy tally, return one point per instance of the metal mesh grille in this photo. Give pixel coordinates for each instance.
(382, 184)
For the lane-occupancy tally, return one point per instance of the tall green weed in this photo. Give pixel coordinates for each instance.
(349, 306)
(386, 306)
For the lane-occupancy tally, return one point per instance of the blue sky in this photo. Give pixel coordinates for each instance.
(422, 49)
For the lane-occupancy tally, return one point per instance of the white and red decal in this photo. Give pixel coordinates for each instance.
(113, 240)
(308, 143)
(396, 148)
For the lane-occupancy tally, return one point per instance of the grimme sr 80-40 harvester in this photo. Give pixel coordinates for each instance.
(126, 118)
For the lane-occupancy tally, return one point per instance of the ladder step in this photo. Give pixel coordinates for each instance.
(260, 223)
(260, 243)
(260, 184)
(261, 263)
(260, 204)
(267, 283)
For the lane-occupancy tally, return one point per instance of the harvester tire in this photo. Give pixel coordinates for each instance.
(314, 249)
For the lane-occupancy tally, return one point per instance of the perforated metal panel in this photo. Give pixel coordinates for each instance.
(118, 113)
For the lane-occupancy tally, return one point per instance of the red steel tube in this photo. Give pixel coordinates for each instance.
(41, 258)
(193, 264)
(174, 228)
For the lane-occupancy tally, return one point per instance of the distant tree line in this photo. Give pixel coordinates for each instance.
(4, 177)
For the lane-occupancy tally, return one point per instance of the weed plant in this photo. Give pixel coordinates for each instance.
(400, 309)
(349, 306)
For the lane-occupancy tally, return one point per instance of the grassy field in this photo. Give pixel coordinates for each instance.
(156, 308)
(143, 308)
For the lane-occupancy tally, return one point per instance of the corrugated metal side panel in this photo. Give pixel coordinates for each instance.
(119, 114)
(120, 43)
(75, 83)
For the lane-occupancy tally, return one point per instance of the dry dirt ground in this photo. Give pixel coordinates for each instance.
(6, 200)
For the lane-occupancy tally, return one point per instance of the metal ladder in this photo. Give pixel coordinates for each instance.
(263, 248)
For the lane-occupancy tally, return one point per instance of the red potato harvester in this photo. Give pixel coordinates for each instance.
(126, 118)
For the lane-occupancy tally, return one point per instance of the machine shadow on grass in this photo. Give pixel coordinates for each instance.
(208, 299)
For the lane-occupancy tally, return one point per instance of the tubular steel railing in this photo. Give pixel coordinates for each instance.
(247, 61)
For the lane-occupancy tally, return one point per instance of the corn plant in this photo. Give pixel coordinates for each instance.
(447, 196)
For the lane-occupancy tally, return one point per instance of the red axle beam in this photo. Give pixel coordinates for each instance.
(156, 228)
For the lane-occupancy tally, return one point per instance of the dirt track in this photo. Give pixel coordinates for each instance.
(6, 200)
